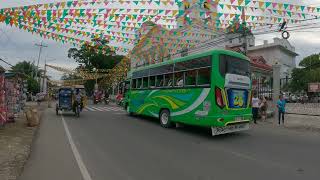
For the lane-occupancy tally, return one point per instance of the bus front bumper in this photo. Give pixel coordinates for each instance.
(230, 128)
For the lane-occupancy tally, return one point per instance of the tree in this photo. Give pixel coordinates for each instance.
(100, 56)
(308, 74)
(33, 85)
(27, 68)
(67, 76)
(311, 62)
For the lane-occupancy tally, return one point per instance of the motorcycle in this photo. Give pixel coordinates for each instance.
(96, 100)
(106, 100)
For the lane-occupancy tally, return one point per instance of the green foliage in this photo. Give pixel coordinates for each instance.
(99, 57)
(89, 86)
(309, 74)
(311, 62)
(33, 85)
(67, 76)
(24, 67)
(27, 68)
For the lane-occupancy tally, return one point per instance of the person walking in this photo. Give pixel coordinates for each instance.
(281, 104)
(255, 107)
(263, 108)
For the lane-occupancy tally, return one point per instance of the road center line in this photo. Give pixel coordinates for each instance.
(77, 156)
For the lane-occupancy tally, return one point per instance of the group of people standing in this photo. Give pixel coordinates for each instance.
(261, 105)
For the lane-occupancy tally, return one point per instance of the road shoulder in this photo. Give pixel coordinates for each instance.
(51, 157)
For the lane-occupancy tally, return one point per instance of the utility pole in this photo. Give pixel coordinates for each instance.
(41, 45)
(44, 76)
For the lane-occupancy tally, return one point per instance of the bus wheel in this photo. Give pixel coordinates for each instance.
(165, 118)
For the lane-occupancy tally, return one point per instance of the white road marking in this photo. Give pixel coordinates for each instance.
(77, 156)
(115, 108)
(105, 109)
(89, 109)
(96, 108)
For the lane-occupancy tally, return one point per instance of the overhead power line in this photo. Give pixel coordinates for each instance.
(6, 62)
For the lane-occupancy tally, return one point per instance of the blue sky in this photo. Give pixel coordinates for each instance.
(17, 45)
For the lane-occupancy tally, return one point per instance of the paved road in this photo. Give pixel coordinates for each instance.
(115, 146)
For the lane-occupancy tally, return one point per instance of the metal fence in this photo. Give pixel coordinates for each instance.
(263, 87)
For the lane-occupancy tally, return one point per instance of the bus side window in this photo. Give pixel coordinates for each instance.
(178, 79)
(168, 80)
(191, 78)
(159, 81)
(152, 82)
(139, 83)
(133, 85)
(145, 82)
(203, 76)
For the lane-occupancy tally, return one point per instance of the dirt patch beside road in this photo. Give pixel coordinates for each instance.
(15, 139)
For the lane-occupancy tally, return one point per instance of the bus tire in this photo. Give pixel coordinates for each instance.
(164, 118)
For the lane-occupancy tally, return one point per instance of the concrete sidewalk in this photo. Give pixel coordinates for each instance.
(300, 122)
(51, 157)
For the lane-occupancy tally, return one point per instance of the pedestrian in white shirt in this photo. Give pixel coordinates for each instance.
(255, 107)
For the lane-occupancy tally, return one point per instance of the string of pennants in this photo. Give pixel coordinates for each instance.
(78, 22)
(111, 75)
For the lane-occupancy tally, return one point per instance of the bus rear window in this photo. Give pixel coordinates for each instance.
(234, 65)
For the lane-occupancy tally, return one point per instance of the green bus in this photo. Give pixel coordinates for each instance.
(209, 89)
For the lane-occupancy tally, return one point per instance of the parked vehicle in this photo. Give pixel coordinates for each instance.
(293, 98)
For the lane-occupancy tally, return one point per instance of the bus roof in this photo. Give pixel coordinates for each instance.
(192, 56)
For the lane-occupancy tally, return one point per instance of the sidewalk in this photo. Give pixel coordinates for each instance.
(299, 122)
(51, 157)
(15, 145)
(311, 123)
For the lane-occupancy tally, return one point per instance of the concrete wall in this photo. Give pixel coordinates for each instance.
(276, 54)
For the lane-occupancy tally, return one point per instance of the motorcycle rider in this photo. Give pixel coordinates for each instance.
(106, 96)
(78, 100)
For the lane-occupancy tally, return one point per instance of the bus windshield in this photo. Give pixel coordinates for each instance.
(233, 65)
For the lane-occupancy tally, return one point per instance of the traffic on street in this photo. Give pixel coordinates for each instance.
(107, 143)
(159, 90)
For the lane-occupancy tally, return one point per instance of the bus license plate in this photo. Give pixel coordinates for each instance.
(229, 129)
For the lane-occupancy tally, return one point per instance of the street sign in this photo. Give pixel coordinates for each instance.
(314, 87)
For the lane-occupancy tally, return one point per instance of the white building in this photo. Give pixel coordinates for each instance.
(280, 51)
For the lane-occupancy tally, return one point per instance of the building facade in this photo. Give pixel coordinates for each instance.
(278, 52)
